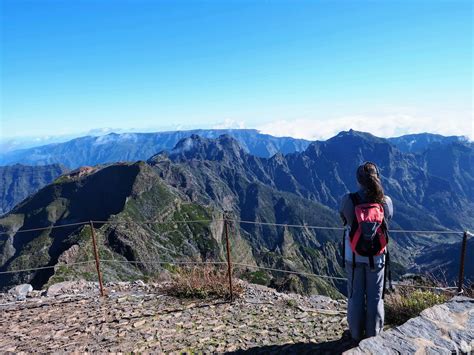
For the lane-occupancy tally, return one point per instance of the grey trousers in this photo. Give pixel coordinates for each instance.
(365, 312)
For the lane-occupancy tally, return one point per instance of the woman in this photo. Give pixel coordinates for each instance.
(365, 313)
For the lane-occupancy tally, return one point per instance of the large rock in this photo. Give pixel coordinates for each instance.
(20, 291)
(442, 329)
(65, 287)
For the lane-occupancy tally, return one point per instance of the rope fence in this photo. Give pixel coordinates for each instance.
(427, 287)
(238, 221)
(46, 267)
(164, 262)
(97, 260)
(235, 265)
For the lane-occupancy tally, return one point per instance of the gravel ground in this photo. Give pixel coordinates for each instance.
(141, 317)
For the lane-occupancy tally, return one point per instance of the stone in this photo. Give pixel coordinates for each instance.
(72, 318)
(460, 304)
(421, 328)
(139, 323)
(60, 287)
(465, 347)
(395, 344)
(69, 256)
(462, 335)
(438, 313)
(21, 291)
(441, 329)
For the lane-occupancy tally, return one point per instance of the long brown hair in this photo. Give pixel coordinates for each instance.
(369, 178)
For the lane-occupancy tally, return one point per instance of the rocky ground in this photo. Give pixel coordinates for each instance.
(141, 317)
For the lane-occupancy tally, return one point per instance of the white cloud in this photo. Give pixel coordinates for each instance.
(229, 124)
(381, 126)
(112, 138)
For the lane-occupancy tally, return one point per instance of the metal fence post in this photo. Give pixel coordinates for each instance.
(461, 265)
(96, 256)
(229, 261)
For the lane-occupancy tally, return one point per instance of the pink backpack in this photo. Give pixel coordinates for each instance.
(368, 236)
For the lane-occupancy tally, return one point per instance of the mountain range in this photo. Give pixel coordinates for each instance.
(113, 147)
(93, 150)
(417, 143)
(200, 178)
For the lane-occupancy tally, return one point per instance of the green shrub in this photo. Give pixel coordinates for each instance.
(406, 304)
(258, 277)
(202, 282)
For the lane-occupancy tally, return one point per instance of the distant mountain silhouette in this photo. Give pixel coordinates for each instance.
(418, 143)
(140, 146)
(131, 147)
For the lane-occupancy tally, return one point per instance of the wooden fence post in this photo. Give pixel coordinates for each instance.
(229, 261)
(96, 256)
(461, 265)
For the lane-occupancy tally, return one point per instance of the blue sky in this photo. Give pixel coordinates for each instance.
(304, 68)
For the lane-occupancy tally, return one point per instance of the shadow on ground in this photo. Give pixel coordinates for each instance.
(329, 347)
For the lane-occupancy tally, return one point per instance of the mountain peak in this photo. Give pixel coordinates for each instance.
(221, 148)
(188, 143)
(344, 142)
(355, 134)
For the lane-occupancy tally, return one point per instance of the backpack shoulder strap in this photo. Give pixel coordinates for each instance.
(355, 224)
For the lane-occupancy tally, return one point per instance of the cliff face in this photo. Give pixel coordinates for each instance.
(17, 182)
